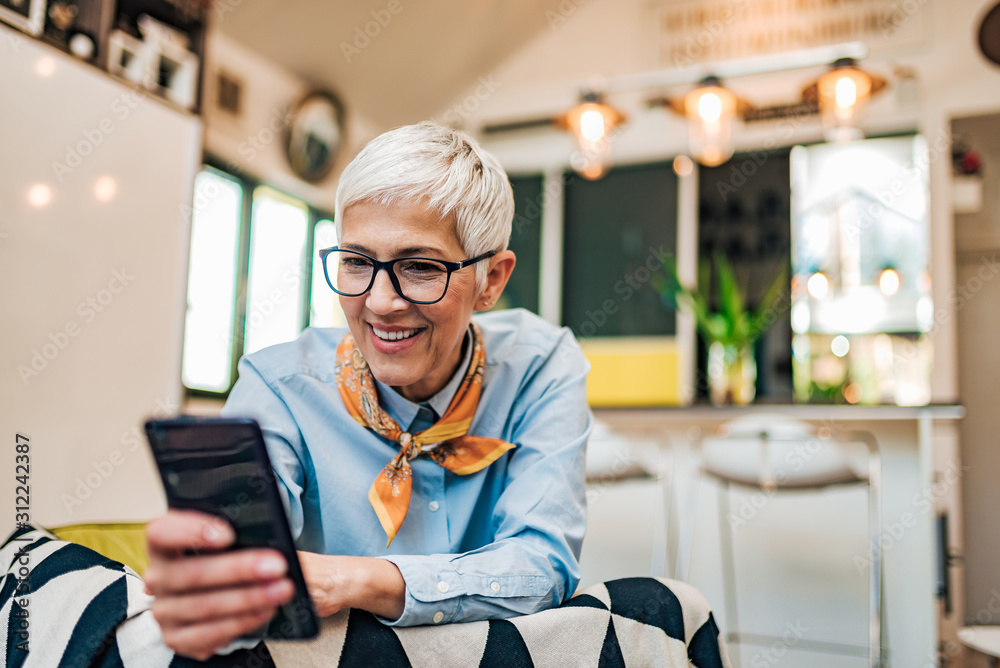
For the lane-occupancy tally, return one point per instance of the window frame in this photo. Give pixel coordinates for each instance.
(315, 215)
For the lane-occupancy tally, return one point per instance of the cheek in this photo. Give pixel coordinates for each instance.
(351, 306)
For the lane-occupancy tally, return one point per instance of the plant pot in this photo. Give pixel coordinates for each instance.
(732, 374)
(967, 193)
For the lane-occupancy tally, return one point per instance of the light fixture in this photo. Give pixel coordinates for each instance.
(841, 94)
(591, 122)
(683, 166)
(710, 110)
(105, 189)
(39, 195)
(818, 285)
(840, 345)
(889, 282)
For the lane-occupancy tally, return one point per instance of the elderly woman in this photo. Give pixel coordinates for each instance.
(430, 459)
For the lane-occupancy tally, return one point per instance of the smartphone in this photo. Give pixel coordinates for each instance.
(220, 466)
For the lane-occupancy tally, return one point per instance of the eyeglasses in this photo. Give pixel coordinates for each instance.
(419, 280)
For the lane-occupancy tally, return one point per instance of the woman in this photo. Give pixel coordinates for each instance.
(472, 429)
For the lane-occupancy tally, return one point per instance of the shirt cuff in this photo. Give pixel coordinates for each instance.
(437, 593)
(428, 599)
(239, 643)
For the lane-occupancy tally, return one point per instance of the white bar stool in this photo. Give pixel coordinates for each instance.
(984, 639)
(772, 452)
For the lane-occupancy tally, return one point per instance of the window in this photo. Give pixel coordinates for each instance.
(252, 281)
(525, 241)
(211, 299)
(618, 231)
(278, 234)
(324, 309)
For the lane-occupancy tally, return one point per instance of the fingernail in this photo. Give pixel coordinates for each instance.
(270, 567)
(277, 591)
(218, 533)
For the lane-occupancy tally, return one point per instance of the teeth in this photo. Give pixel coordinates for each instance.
(394, 336)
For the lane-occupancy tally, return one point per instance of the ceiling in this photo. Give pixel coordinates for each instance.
(409, 66)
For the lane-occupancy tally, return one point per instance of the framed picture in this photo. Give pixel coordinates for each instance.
(26, 15)
(314, 135)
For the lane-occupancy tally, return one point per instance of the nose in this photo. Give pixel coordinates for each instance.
(382, 298)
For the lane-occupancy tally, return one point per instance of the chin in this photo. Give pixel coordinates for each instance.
(392, 375)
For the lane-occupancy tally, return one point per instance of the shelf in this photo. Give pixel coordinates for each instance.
(163, 61)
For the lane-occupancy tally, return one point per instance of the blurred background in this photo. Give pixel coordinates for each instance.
(169, 172)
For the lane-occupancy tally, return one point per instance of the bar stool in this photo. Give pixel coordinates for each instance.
(774, 453)
(983, 639)
(618, 466)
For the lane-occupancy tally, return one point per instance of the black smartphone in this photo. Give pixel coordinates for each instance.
(220, 466)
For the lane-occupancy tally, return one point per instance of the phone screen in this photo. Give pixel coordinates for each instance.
(220, 466)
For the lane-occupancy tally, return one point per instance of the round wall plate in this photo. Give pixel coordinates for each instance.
(315, 134)
(989, 35)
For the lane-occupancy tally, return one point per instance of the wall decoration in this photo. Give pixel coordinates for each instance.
(989, 35)
(699, 31)
(62, 17)
(26, 15)
(160, 61)
(82, 46)
(315, 134)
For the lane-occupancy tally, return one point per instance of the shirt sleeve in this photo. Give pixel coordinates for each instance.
(252, 396)
(540, 517)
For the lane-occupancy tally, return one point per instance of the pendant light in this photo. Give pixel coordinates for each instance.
(841, 95)
(591, 122)
(710, 109)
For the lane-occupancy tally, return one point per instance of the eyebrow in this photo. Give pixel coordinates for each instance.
(400, 252)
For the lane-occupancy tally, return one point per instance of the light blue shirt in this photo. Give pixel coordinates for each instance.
(501, 542)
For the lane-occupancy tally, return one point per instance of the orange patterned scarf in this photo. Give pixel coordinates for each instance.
(455, 450)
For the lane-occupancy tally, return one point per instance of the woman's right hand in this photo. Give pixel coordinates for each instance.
(206, 598)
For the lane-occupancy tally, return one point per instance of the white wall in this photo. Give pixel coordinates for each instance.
(978, 240)
(93, 294)
(254, 141)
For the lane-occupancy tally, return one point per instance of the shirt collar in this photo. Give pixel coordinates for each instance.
(405, 411)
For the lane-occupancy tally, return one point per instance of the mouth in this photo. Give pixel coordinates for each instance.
(395, 335)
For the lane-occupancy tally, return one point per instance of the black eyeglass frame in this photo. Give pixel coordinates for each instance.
(388, 266)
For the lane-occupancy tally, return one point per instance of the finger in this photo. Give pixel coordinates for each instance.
(181, 530)
(214, 571)
(215, 605)
(202, 640)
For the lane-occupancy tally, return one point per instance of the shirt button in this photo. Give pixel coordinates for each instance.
(443, 587)
(438, 616)
(495, 586)
(433, 506)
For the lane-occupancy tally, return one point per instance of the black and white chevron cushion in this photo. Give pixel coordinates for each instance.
(62, 604)
(633, 622)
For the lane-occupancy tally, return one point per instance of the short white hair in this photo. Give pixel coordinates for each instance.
(443, 167)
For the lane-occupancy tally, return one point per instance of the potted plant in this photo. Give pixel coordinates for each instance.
(730, 331)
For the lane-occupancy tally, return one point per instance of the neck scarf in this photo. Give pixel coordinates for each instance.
(455, 450)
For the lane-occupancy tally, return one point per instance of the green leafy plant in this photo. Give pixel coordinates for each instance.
(732, 324)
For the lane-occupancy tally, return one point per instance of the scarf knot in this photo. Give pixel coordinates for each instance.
(408, 446)
(457, 451)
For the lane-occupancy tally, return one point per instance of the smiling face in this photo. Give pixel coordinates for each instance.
(415, 348)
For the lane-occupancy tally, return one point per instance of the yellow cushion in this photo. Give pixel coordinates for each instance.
(124, 542)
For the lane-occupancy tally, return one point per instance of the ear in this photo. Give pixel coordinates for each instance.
(501, 266)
